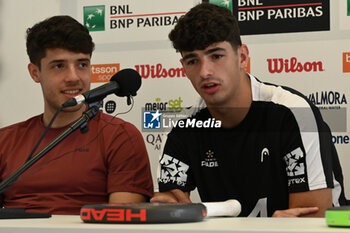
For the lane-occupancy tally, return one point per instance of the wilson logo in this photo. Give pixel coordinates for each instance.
(279, 65)
(158, 71)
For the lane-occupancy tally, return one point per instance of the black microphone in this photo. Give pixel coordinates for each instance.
(124, 83)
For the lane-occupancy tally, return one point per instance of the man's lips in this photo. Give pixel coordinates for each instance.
(210, 87)
(71, 93)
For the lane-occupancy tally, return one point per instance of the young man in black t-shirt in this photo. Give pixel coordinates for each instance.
(272, 152)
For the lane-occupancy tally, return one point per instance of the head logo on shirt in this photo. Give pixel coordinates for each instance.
(264, 153)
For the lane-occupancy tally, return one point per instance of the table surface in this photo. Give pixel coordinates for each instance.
(73, 224)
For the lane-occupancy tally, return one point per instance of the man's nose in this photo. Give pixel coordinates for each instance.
(72, 74)
(206, 69)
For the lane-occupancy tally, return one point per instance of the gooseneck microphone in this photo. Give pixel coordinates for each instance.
(124, 83)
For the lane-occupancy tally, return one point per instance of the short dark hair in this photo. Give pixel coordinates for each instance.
(204, 25)
(57, 32)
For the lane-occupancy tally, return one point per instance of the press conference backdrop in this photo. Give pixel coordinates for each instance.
(304, 44)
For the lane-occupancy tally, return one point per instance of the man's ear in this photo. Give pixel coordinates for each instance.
(243, 55)
(34, 72)
(182, 63)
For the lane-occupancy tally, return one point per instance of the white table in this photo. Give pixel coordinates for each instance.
(73, 224)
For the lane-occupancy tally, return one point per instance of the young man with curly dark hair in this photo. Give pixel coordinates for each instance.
(108, 164)
(273, 152)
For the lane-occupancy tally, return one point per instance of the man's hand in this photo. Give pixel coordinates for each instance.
(321, 198)
(175, 195)
(295, 212)
(299, 204)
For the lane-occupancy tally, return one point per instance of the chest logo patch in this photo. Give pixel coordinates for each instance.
(209, 160)
(264, 153)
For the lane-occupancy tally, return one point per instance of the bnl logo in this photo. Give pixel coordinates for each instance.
(152, 120)
(222, 3)
(94, 18)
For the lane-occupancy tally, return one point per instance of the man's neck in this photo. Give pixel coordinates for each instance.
(237, 109)
(64, 118)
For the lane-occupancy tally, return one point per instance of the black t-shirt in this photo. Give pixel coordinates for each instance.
(278, 148)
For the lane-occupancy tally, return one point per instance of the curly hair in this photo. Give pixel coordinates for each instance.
(57, 32)
(204, 25)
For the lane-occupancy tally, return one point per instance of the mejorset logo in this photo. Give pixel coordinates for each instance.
(94, 18)
(170, 105)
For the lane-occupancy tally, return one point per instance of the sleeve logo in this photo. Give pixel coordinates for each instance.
(172, 170)
(295, 167)
(294, 162)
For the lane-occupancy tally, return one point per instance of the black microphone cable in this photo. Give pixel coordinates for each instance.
(35, 147)
(44, 133)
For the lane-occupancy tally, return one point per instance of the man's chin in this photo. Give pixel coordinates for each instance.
(76, 108)
(211, 100)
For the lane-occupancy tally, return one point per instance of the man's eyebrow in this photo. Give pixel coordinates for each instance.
(56, 61)
(84, 59)
(214, 50)
(63, 60)
(191, 55)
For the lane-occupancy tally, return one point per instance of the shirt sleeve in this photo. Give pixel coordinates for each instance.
(128, 163)
(174, 170)
(307, 150)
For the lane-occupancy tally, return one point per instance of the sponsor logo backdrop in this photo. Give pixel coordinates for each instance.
(303, 44)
